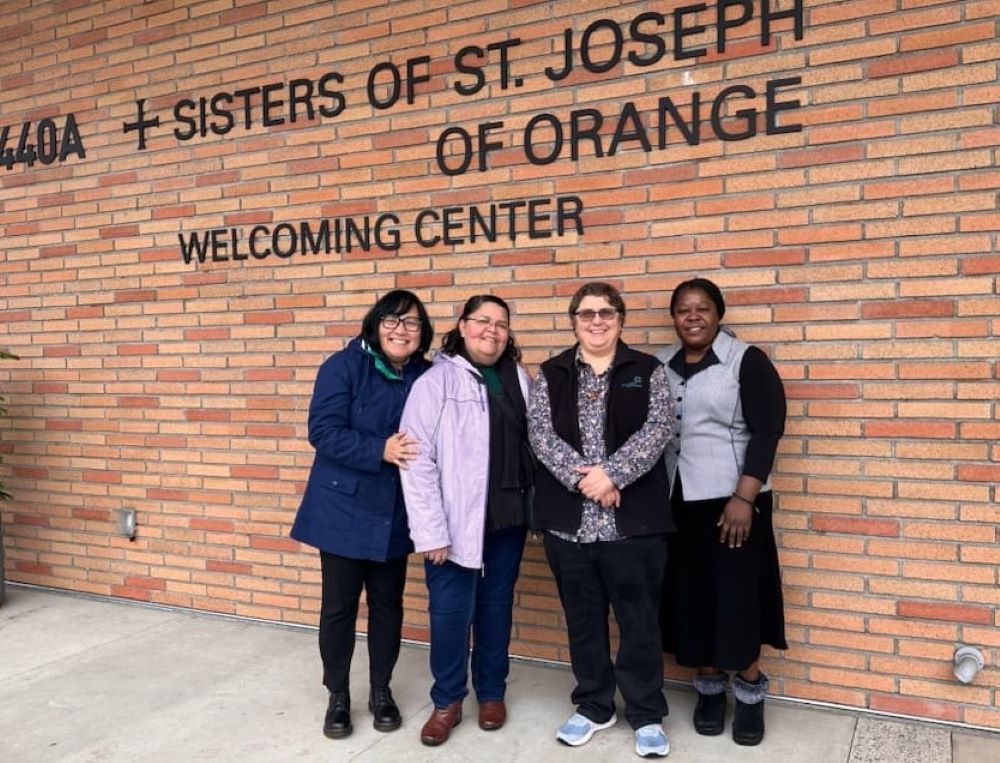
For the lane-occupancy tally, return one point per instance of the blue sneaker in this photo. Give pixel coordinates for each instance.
(579, 729)
(651, 741)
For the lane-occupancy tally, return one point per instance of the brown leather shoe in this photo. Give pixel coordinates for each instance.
(492, 714)
(438, 727)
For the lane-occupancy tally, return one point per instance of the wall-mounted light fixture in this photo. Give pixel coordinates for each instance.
(968, 662)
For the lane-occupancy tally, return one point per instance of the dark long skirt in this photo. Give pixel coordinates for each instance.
(720, 604)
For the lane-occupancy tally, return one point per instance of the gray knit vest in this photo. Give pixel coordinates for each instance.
(710, 444)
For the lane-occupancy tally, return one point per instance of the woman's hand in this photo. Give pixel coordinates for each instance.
(437, 555)
(400, 449)
(598, 487)
(735, 522)
(611, 500)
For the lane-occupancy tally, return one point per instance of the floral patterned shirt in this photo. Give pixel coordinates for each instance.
(640, 453)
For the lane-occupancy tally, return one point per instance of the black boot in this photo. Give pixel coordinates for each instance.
(383, 707)
(710, 712)
(337, 724)
(748, 723)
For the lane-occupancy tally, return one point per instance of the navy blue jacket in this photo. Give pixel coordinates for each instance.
(353, 502)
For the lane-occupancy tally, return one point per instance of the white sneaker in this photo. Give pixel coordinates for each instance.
(651, 741)
(579, 729)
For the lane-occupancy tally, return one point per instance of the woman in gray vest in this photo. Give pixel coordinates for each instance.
(722, 594)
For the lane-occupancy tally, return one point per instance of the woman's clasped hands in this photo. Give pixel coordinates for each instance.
(598, 486)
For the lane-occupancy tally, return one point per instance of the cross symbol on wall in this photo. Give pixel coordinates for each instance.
(141, 123)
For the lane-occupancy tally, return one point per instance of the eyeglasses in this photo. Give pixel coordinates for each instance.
(409, 323)
(484, 323)
(606, 313)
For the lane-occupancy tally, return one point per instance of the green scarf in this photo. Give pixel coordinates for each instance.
(383, 368)
(491, 377)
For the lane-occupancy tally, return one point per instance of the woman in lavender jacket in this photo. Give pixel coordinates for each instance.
(466, 502)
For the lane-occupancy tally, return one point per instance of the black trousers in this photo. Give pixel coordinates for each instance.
(343, 579)
(628, 575)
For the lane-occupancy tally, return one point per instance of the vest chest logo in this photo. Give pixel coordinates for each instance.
(634, 383)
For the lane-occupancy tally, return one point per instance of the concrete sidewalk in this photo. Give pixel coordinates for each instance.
(84, 679)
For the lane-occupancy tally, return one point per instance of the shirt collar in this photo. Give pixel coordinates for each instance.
(683, 369)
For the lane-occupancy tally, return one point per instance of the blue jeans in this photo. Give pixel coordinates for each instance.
(467, 602)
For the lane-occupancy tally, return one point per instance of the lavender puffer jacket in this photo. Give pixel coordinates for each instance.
(445, 486)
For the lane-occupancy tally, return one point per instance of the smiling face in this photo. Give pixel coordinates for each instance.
(696, 320)
(399, 342)
(485, 333)
(599, 336)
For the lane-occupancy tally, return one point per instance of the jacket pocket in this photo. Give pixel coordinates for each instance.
(345, 485)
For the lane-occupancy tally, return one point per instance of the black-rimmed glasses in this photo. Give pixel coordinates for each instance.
(409, 323)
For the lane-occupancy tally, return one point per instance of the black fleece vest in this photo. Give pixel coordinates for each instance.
(645, 505)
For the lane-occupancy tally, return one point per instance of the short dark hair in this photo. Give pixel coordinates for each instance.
(452, 342)
(396, 302)
(699, 284)
(598, 289)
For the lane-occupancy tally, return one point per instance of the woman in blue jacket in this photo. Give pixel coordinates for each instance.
(352, 510)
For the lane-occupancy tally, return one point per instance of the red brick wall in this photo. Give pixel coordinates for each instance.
(859, 251)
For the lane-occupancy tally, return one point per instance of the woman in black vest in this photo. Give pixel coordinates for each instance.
(598, 419)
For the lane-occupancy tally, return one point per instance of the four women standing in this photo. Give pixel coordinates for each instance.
(598, 417)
